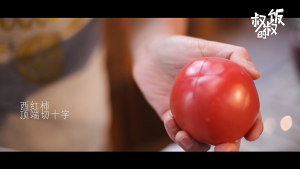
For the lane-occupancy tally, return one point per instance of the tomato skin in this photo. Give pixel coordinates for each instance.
(215, 100)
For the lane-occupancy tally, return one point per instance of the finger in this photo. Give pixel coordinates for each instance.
(171, 126)
(203, 48)
(187, 143)
(256, 130)
(228, 147)
(234, 53)
(241, 56)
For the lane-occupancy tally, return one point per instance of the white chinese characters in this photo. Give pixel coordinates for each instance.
(40, 110)
(266, 28)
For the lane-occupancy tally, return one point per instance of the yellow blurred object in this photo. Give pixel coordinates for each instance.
(40, 58)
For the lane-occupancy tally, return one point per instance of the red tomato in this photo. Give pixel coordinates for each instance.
(214, 100)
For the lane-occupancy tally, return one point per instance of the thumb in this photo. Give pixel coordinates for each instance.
(234, 53)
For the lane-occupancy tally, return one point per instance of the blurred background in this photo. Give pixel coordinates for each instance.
(132, 123)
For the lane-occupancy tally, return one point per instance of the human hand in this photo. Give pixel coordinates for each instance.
(156, 67)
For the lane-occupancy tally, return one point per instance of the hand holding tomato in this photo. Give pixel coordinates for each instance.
(214, 100)
(157, 67)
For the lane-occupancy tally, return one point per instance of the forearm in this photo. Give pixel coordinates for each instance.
(144, 31)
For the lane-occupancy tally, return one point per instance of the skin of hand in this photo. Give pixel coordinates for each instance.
(157, 65)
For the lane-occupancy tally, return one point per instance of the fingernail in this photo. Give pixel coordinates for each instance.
(253, 67)
(171, 124)
(186, 142)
